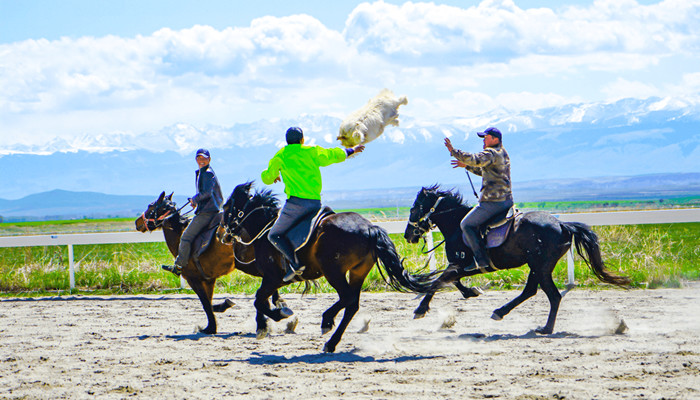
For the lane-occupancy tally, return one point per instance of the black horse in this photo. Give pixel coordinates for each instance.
(537, 239)
(343, 248)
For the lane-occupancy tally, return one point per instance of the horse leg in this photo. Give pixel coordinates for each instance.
(529, 291)
(350, 300)
(550, 289)
(262, 307)
(205, 292)
(223, 306)
(451, 274)
(468, 292)
(424, 306)
(278, 301)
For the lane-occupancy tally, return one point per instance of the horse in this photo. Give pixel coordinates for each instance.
(216, 261)
(537, 239)
(344, 247)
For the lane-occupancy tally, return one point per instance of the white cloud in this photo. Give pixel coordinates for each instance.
(449, 61)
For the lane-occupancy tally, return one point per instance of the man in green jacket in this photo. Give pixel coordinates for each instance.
(299, 167)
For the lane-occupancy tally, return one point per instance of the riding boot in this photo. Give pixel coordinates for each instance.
(481, 258)
(285, 247)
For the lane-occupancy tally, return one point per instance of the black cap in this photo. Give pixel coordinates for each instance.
(294, 135)
(491, 131)
(203, 153)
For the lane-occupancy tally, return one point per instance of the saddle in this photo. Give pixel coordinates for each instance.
(204, 239)
(496, 229)
(301, 232)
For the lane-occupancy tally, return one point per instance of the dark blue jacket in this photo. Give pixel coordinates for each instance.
(208, 197)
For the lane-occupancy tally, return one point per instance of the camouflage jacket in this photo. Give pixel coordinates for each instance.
(493, 165)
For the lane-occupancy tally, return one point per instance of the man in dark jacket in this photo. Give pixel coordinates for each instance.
(207, 203)
(493, 165)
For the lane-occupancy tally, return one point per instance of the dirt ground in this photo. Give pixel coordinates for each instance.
(145, 347)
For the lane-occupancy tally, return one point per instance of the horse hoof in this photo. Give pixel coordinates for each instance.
(324, 331)
(229, 303)
(286, 312)
(207, 331)
(543, 331)
(292, 325)
(281, 304)
(262, 333)
(328, 349)
(477, 291)
(418, 315)
(496, 317)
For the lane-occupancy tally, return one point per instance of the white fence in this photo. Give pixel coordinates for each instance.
(601, 218)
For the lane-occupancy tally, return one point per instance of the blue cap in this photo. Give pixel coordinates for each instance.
(294, 135)
(203, 153)
(491, 131)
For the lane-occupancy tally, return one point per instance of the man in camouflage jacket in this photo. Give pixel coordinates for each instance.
(493, 165)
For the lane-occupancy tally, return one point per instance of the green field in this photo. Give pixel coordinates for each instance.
(652, 255)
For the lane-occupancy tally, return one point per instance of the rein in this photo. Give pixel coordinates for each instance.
(157, 222)
(260, 234)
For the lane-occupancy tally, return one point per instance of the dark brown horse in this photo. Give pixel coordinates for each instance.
(343, 248)
(538, 240)
(218, 260)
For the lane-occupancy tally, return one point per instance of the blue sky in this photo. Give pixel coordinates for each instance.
(76, 69)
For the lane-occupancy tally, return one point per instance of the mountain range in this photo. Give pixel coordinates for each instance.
(658, 139)
(61, 204)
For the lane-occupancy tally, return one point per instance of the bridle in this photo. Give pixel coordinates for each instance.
(231, 228)
(424, 224)
(158, 222)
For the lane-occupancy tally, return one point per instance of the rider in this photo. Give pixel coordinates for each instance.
(299, 166)
(493, 165)
(207, 203)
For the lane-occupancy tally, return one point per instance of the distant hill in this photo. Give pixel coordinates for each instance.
(62, 204)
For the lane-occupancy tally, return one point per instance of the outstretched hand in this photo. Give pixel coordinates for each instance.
(359, 148)
(457, 164)
(278, 179)
(448, 144)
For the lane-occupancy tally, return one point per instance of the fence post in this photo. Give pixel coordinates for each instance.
(429, 245)
(570, 263)
(71, 267)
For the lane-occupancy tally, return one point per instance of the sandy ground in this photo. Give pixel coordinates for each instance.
(145, 347)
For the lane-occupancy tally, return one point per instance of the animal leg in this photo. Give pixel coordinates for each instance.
(468, 292)
(450, 275)
(205, 291)
(223, 306)
(550, 289)
(529, 291)
(424, 306)
(352, 304)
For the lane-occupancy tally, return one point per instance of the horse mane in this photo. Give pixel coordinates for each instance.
(265, 198)
(452, 195)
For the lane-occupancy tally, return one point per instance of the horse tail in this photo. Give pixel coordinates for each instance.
(586, 240)
(387, 257)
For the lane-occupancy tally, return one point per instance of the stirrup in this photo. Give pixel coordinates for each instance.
(175, 269)
(292, 273)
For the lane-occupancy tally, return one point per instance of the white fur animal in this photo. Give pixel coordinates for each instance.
(367, 123)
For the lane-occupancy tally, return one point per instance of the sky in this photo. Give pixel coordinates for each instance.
(73, 68)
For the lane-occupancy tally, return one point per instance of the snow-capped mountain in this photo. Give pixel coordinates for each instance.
(625, 138)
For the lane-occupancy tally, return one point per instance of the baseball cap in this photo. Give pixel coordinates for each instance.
(203, 153)
(491, 131)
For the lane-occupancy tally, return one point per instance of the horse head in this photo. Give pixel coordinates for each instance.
(247, 209)
(428, 201)
(156, 213)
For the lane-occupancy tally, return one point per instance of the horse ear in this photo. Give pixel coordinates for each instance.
(161, 197)
(171, 196)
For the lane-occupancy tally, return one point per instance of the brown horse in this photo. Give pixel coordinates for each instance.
(218, 260)
(343, 248)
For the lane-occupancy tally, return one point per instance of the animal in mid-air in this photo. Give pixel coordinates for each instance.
(368, 123)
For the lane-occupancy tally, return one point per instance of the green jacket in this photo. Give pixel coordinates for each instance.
(300, 168)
